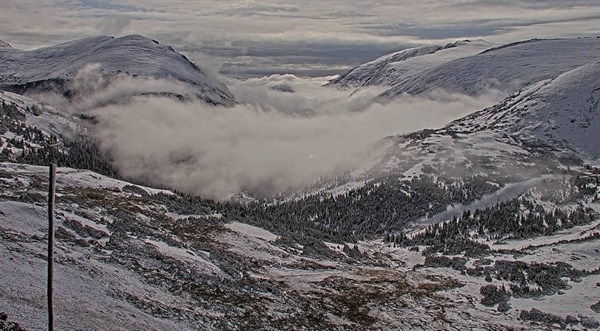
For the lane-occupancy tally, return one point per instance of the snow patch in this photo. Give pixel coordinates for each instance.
(252, 231)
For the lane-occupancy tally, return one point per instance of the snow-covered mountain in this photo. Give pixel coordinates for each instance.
(134, 56)
(389, 69)
(563, 111)
(550, 119)
(506, 68)
(490, 156)
(471, 67)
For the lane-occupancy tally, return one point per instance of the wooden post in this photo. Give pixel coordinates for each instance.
(51, 195)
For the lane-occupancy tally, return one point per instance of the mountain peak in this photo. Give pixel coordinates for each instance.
(134, 55)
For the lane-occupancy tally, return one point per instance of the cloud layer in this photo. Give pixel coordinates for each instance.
(307, 37)
(271, 142)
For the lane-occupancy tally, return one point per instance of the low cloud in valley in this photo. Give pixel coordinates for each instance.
(271, 141)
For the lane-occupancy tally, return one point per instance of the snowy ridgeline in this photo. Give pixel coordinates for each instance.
(551, 124)
(134, 56)
(506, 68)
(389, 69)
(472, 67)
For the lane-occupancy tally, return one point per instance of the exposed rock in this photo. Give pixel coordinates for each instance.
(9, 326)
(570, 319)
(84, 230)
(589, 322)
(503, 307)
(536, 315)
(596, 307)
(135, 189)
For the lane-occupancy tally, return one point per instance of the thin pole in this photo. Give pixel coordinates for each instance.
(51, 195)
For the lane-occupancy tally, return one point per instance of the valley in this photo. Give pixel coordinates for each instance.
(489, 222)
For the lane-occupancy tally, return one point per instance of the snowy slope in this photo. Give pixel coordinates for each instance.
(506, 68)
(539, 130)
(27, 125)
(563, 111)
(42, 116)
(126, 260)
(37, 133)
(391, 68)
(133, 55)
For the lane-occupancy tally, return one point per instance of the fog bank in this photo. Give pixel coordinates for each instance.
(270, 142)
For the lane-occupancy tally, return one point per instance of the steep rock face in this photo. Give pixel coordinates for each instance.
(506, 68)
(133, 55)
(391, 68)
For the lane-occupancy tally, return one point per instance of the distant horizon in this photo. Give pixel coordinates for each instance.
(246, 73)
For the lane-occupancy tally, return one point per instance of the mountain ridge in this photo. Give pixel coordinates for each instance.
(551, 110)
(558, 116)
(132, 55)
(386, 70)
(506, 68)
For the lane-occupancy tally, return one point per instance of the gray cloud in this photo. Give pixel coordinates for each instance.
(311, 58)
(113, 25)
(257, 9)
(268, 143)
(107, 5)
(438, 31)
(254, 36)
(559, 3)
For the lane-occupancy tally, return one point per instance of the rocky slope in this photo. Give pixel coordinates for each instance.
(130, 257)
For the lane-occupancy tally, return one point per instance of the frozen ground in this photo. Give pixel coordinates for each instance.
(143, 271)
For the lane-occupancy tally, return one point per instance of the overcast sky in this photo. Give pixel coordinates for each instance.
(298, 36)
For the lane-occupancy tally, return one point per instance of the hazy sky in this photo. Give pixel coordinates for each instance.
(300, 36)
